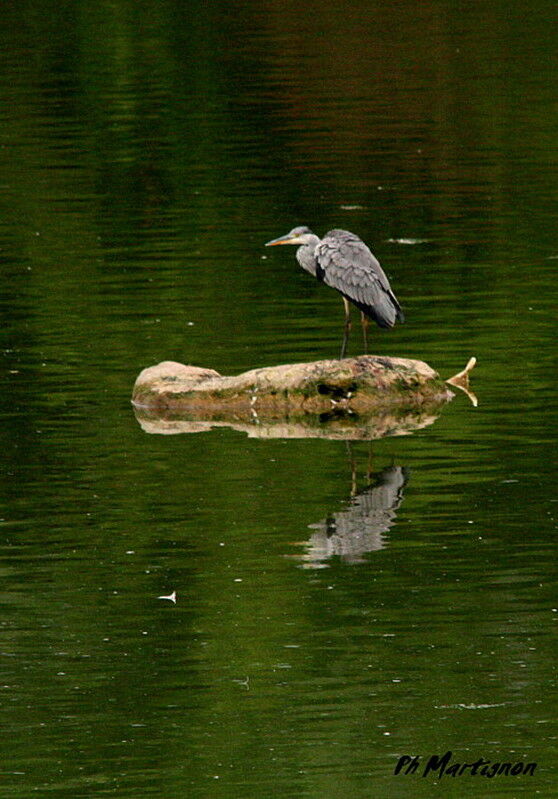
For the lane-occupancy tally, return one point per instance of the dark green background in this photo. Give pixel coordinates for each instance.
(147, 151)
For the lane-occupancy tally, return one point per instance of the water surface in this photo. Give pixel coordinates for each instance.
(337, 606)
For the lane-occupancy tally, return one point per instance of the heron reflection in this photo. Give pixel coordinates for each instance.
(361, 527)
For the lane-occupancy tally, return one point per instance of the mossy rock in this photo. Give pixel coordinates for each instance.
(349, 386)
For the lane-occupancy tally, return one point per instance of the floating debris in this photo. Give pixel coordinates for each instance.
(170, 597)
(408, 241)
(470, 706)
(461, 380)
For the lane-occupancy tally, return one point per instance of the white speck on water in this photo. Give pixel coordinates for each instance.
(471, 706)
(408, 241)
(170, 597)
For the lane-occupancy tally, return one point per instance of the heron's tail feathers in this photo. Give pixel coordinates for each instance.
(399, 315)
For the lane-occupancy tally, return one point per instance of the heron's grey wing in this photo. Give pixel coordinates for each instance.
(345, 263)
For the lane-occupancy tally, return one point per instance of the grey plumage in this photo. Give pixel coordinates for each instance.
(344, 262)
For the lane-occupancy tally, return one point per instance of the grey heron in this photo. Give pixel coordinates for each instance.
(344, 262)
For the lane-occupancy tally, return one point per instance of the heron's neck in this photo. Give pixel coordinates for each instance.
(305, 255)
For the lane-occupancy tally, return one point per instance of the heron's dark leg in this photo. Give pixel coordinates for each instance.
(365, 322)
(347, 327)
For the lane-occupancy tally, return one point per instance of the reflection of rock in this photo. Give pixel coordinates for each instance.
(341, 426)
(361, 527)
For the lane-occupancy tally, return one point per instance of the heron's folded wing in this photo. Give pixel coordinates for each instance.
(345, 263)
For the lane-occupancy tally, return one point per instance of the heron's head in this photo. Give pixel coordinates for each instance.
(298, 235)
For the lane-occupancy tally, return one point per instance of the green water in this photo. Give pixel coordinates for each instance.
(337, 606)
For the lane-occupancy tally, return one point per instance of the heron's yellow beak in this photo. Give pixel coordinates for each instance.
(280, 240)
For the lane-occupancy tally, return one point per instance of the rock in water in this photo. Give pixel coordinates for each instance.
(349, 386)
